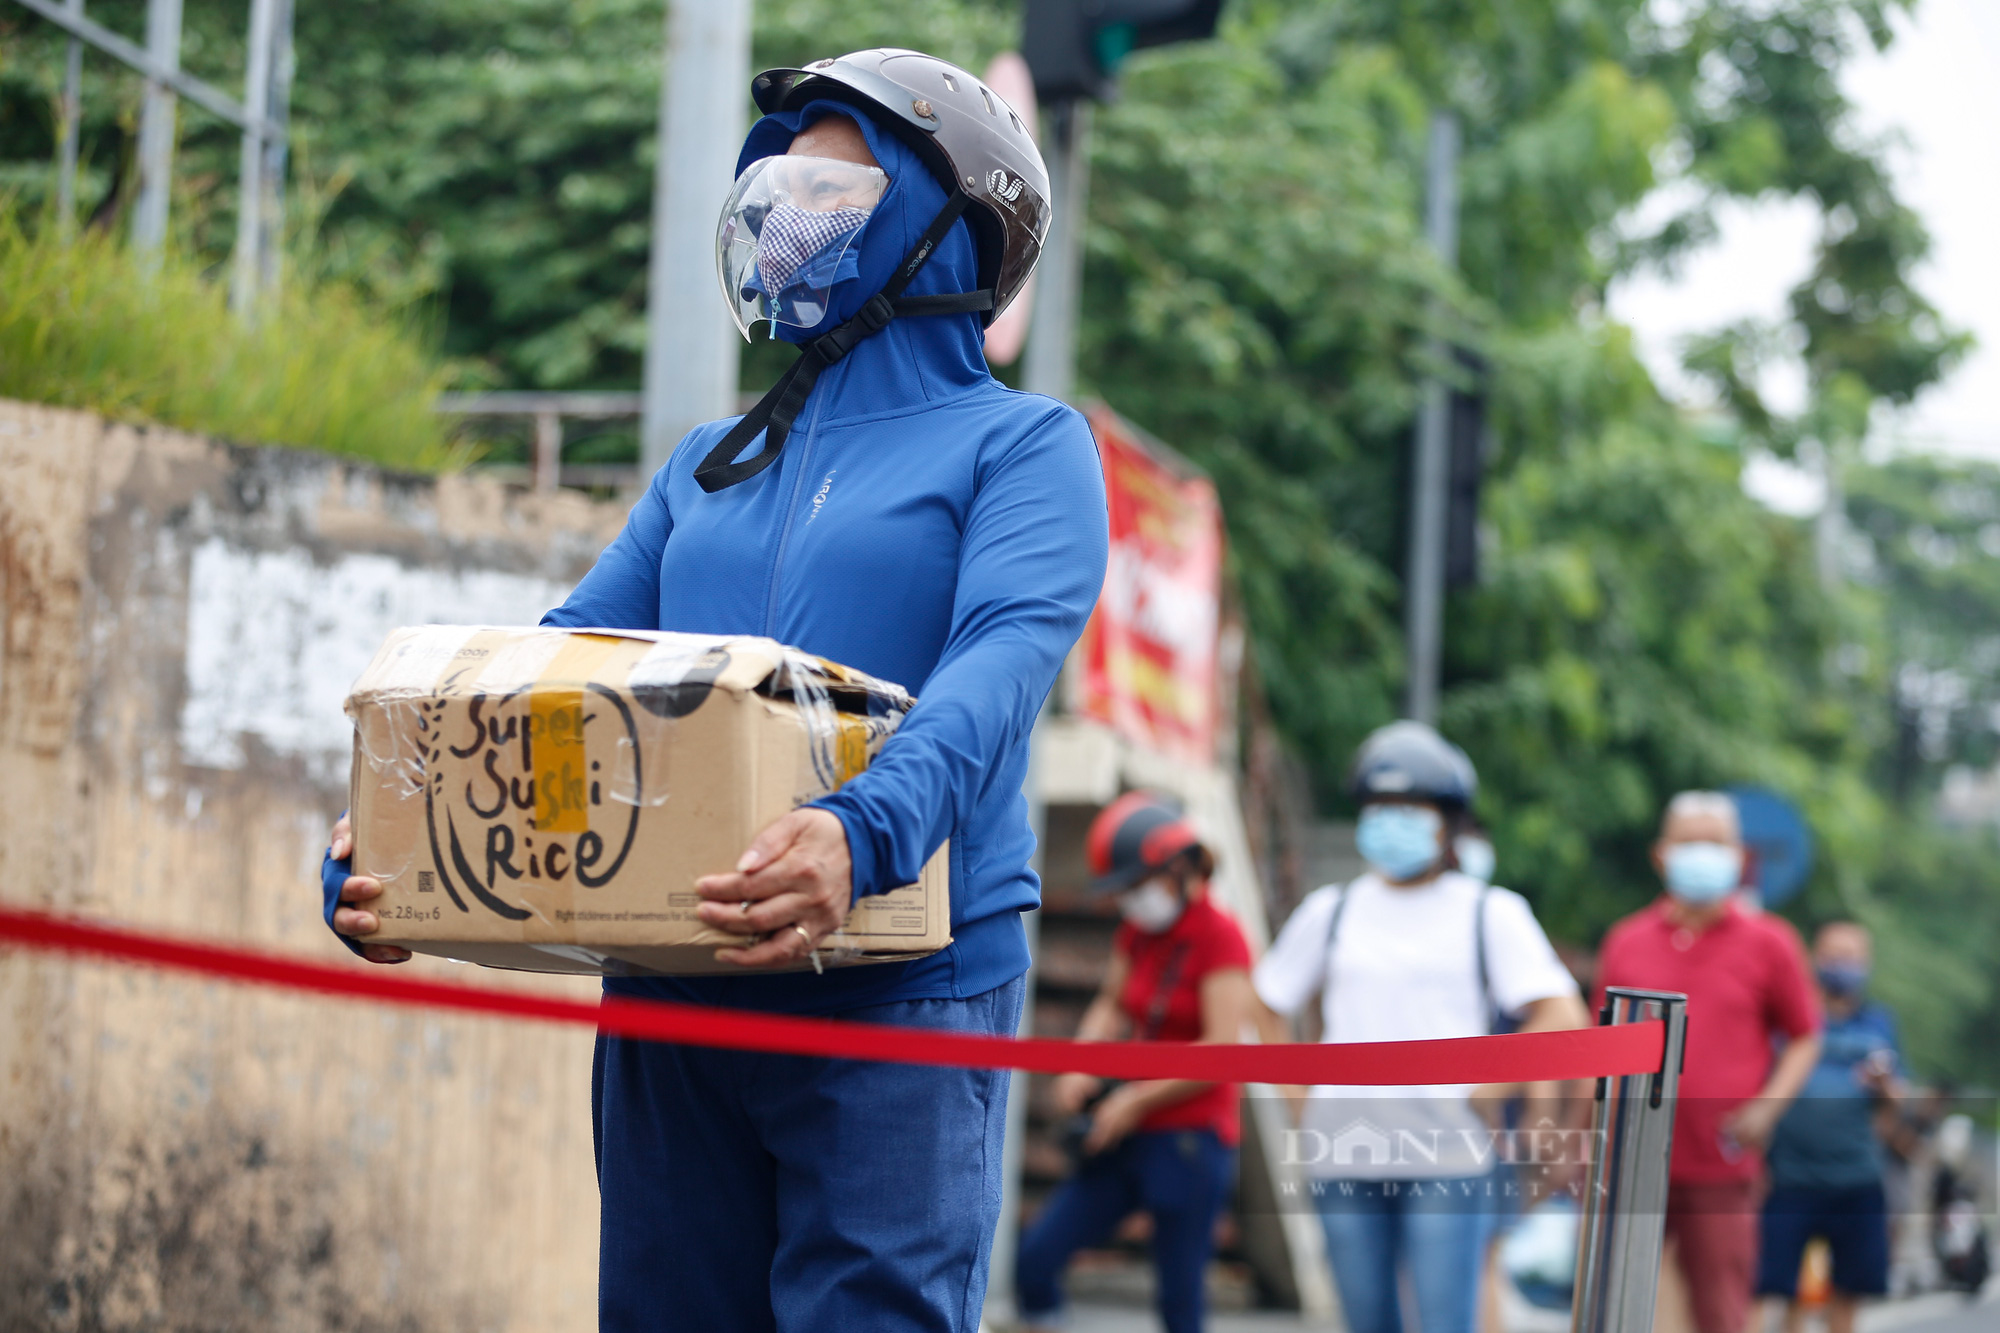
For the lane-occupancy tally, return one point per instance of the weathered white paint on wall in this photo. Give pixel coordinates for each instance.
(180, 1154)
(275, 638)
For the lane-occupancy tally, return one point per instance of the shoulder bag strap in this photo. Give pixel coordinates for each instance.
(1494, 1015)
(1163, 992)
(1332, 938)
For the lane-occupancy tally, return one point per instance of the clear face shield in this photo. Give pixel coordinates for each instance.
(786, 235)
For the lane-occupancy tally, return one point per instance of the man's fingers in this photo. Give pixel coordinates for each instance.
(384, 953)
(787, 945)
(342, 842)
(776, 839)
(359, 889)
(733, 889)
(765, 915)
(355, 921)
(786, 874)
(768, 954)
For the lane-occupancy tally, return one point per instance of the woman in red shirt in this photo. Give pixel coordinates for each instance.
(1180, 971)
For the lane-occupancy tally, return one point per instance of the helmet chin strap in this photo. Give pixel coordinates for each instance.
(776, 410)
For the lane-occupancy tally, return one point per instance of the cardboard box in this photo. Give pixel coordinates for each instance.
(545, 799)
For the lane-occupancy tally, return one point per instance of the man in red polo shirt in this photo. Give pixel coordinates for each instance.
(1753, 1037)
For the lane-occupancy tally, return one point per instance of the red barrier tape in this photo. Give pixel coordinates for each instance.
(1590, 1053)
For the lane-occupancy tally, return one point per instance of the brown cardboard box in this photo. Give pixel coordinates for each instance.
(545, 799)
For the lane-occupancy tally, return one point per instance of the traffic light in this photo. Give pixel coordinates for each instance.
(1075, 47)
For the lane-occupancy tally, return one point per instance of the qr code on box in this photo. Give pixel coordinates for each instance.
(426, 882)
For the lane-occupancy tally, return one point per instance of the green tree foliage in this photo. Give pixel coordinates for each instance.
(1643, 626)
(496, 155)
(1925, 533)
(1259, 309)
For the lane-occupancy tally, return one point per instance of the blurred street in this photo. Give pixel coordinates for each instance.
(1938, 1312)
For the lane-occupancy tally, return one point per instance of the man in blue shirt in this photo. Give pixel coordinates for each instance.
(890, 506)
(1825, 1159)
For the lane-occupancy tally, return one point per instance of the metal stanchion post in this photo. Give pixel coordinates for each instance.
(1625, 1203)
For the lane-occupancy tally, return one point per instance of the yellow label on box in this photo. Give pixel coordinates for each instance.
(555, 728)
(850, 747)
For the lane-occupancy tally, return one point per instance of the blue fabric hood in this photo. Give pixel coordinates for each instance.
(913, 360)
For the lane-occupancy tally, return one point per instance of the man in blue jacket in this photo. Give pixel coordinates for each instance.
(908, 515)
(1826, 1159)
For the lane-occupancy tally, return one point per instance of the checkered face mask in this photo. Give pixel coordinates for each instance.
(785, 236)
(791, 238)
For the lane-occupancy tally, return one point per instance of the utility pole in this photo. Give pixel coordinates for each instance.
(1050, 367)
(156, 129)
(72, 128)
(1073, 50)
(692, 349)
(1423, 592)
(277, 151)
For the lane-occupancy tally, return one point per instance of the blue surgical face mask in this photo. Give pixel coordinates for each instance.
(1703, 872)
(1401, 841)
(1844, 980)
(1475, 856)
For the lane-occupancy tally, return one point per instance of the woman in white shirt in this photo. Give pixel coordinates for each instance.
(1412, 950)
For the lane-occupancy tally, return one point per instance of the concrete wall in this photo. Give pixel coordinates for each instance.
(181, 620)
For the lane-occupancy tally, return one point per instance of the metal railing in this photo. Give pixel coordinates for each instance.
(262, 116)
(547, 411)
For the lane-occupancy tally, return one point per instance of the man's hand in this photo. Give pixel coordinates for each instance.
(1116, 1116)
(359, 921)
(1877, 1075)
(795, 885)
(1751, 1124)
(1071, 1091)
(1489, 1102)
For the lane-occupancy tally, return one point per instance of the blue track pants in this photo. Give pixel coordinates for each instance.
(754, 1192)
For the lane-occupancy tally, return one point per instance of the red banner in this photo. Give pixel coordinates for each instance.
(1149, 653)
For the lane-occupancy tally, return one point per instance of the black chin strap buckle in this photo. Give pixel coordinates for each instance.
(869, 321)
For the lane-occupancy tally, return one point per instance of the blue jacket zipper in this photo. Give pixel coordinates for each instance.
(791, 516)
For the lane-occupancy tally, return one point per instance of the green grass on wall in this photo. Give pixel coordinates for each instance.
(88, 325)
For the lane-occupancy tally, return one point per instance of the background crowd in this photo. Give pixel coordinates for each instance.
(1796, 1138)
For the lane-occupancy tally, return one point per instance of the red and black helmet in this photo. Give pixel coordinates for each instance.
(970, 138)
(1135, 837)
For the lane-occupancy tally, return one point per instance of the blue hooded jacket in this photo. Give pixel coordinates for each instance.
(925, 524)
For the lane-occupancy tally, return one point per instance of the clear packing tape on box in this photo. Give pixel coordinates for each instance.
(545, 799)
